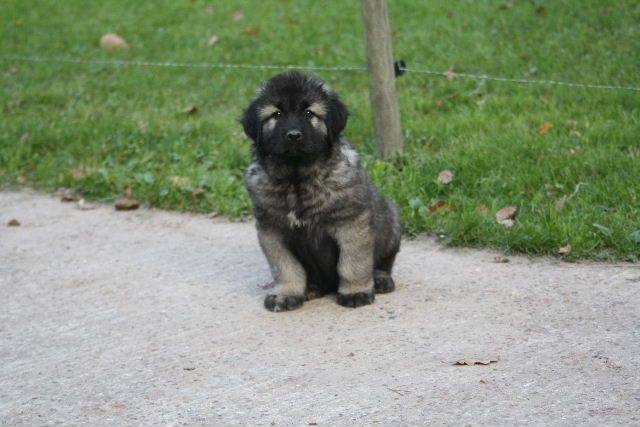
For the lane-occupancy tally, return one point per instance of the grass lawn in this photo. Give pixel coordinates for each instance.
(98, 127)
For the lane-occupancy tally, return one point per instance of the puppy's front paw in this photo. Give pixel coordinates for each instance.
(356, 299)
(277, 303)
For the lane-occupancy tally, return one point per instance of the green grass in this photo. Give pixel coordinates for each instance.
(97, 128)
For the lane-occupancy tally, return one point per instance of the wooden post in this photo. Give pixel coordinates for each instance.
(382, 85)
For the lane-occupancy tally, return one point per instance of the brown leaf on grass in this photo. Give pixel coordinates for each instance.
(469, 361)
(565, 250)
(180, 181)
(68, 195)
(81, 172)
(445, 177)
(561, 202)
(509, 212)
(440, 206)
(112, 41)
(501, 260)
(237, 16)
(191, 109)
(197, 191)
(540, 10)
(13, 223)
(213, 40)
(127, 203)
(545, 128)
(251, 31)
(21, 179)
(483, 209)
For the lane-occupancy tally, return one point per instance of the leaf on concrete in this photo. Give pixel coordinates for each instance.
(545, 128)
(565, 250)
(84, 206)
(13, 223)
(127, 203)
(469, 361)
(112, 41)
(68, 195)
(445, 177)
(501, 260)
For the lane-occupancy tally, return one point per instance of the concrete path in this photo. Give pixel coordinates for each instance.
(150, 318)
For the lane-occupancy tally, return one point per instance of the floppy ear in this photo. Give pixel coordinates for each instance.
(336, 117)
(250, 121)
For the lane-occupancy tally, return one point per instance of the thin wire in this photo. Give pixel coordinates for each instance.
(447, 74)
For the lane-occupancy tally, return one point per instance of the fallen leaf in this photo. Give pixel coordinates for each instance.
(540, 10)
(81, 172)
(507, 213)
(213, 215)
(561, 202)
(238, 16)
(483, 209)
(112, 41)
(484, 381)
(127, 203)
(21, 179)
(440, 205)
(68, 195)
(84, 206)
(189, 368)
(213, 40)
(450, 74)
(192, 109)
(251, 31)
(564, 250)
(180, 181)
(197, 191)
(545, 128)
(445, 177)
(13, 223)
(501, 260)
(479, 361)
(25, 138)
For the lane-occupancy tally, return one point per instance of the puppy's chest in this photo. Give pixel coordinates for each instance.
(301, 205)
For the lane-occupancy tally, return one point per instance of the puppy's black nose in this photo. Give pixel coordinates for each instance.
(294, 135)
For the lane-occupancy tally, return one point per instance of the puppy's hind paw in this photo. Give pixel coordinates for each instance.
(357, 299)
(383, 284)
(277, 303)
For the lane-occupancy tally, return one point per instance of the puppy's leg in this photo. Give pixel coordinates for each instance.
(288, 273)
(382, 280)
(355, 265)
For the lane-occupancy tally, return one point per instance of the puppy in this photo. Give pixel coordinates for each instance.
(322, 224)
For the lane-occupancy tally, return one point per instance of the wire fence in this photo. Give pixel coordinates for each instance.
(204, 65)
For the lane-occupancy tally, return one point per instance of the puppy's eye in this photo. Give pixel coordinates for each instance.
(276, 115)
(309, 114)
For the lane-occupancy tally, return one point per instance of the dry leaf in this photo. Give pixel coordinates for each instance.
(113, 41)
(483, 209)
(565, 250)
(213, 40)
(508, 213)
(450, 74)
(21, 179)
(501, 260)
(13, 223)
(81, 172)
(479, 361)
(127, 203)
(561, 202)
(440, 205)
(197, 191)
(180, 182)
(238, 16)
(545, 128)
(84, 206)
(445, 177)
(484, 381)
(251, 31)
(540, 10)
(192, 109)
(68, 195)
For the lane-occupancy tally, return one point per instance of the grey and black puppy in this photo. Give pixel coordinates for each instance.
(322, 224)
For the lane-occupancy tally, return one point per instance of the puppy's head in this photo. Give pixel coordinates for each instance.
(294, 119)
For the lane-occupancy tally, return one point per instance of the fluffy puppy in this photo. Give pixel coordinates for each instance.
(322, 224)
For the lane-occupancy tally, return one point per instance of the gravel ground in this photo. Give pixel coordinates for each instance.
(155, 318)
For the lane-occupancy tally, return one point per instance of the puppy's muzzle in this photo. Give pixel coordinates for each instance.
(294, 135)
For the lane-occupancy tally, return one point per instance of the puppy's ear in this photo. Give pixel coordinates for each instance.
(251, 122)
(336, 117)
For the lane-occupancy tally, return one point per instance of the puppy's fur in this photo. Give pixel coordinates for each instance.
(322, 224)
